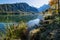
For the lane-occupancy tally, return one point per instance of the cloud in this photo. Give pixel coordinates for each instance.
(36, 3)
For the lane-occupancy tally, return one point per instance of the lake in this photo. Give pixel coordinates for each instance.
(3, 25)
(30, 23)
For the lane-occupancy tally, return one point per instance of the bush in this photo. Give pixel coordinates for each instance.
(16, 32)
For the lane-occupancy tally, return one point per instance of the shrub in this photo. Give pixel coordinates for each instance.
(15, 32)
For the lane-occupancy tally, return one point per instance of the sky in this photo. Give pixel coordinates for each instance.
(34, 3)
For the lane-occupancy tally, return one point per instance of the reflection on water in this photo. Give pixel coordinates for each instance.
(3, 25)
(35, 23)
(31, 24)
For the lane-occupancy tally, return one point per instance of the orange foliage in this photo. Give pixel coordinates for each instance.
(52, 2)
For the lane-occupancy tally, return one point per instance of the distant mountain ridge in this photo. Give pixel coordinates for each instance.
(18, 7)
(44, 7)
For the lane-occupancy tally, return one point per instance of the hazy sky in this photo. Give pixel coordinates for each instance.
(35, 3)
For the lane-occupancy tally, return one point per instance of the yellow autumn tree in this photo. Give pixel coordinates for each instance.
(52, 2)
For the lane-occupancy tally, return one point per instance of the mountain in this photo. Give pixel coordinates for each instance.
(44, 7)
(17, 7)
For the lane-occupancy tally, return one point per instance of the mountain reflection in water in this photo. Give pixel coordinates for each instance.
(32, 24)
